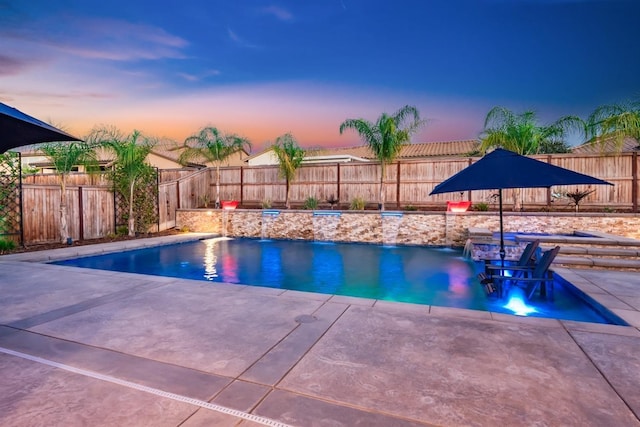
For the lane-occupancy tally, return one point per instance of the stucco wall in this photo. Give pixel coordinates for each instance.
(416, 228)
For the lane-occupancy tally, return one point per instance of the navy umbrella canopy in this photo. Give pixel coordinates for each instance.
(18, 128)
(506, 169)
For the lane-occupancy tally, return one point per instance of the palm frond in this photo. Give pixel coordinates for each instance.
(615, 122)
(290, 155)
(522, 133)
(210, 145)
(66, 155)
(389, 133)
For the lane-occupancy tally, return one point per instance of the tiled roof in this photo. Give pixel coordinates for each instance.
(167, 149)
(439, 149)
(596, 147)
(409, 151)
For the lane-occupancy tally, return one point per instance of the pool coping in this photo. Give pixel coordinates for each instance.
(566, 275)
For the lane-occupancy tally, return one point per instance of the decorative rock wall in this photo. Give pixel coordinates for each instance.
(409, 228)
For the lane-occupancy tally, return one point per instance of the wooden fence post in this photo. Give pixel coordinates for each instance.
(338, 183)
(21, 200)
(634, 181)
(80, 215)
(115, 213)
(398, 187)
(549, 188)
(158, 196)
(178, 193)
(241, 185)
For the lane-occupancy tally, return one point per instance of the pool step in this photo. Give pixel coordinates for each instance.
(583, 238)
(587, 261)
(586, 249)
(592, 249)
(607, 251)
(597, 251)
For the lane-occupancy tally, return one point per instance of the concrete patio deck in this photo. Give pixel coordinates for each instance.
(99, 348)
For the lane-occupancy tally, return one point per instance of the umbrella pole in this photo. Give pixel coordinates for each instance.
(502, 251)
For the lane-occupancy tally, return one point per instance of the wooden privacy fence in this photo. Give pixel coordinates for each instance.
(408, 183)
(90, 206)
(90, 212)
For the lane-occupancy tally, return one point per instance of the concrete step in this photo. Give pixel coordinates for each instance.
(585, 261)
(583, 249)
(582, 238)
(575, 240)
(600, 252)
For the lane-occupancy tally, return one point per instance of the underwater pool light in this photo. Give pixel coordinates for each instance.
(517, 304)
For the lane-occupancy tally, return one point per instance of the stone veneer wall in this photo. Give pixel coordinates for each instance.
(413, 228)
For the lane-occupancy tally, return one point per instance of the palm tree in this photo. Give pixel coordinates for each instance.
(386, 136)
(211, 146)
(522, 134)
(130, 165)
(67, 156)
(290, 157)
(615, 122)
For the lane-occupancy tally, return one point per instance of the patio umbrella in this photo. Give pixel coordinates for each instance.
(505, 169)
(18, 128)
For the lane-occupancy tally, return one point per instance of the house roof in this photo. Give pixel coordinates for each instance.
(162, 148)
(166, 149)
(171, 150)
(408, 151)
(440, 149)
(609, 146)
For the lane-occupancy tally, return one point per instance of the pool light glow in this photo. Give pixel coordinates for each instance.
(517, 303)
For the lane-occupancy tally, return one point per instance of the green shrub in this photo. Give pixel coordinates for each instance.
(410, 208)
(310, 203)
(266, 204)
(357, 204)
(481, 206)
(122, 230)
(6, 245)
(205, 200)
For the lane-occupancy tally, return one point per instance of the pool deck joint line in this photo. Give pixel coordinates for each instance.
(206, 405)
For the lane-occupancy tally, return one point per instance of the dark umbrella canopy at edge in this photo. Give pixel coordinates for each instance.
(18, 129)
(502, 169)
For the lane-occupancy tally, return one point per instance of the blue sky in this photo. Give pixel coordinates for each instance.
(263, 68)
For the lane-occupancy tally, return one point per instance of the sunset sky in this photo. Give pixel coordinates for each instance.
(263, 68)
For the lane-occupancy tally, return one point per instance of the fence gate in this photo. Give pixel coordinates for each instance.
(11, 197)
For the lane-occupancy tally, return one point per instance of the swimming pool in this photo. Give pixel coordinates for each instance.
(414, 274)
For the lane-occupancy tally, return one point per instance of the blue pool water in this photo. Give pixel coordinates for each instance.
(421, 275)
